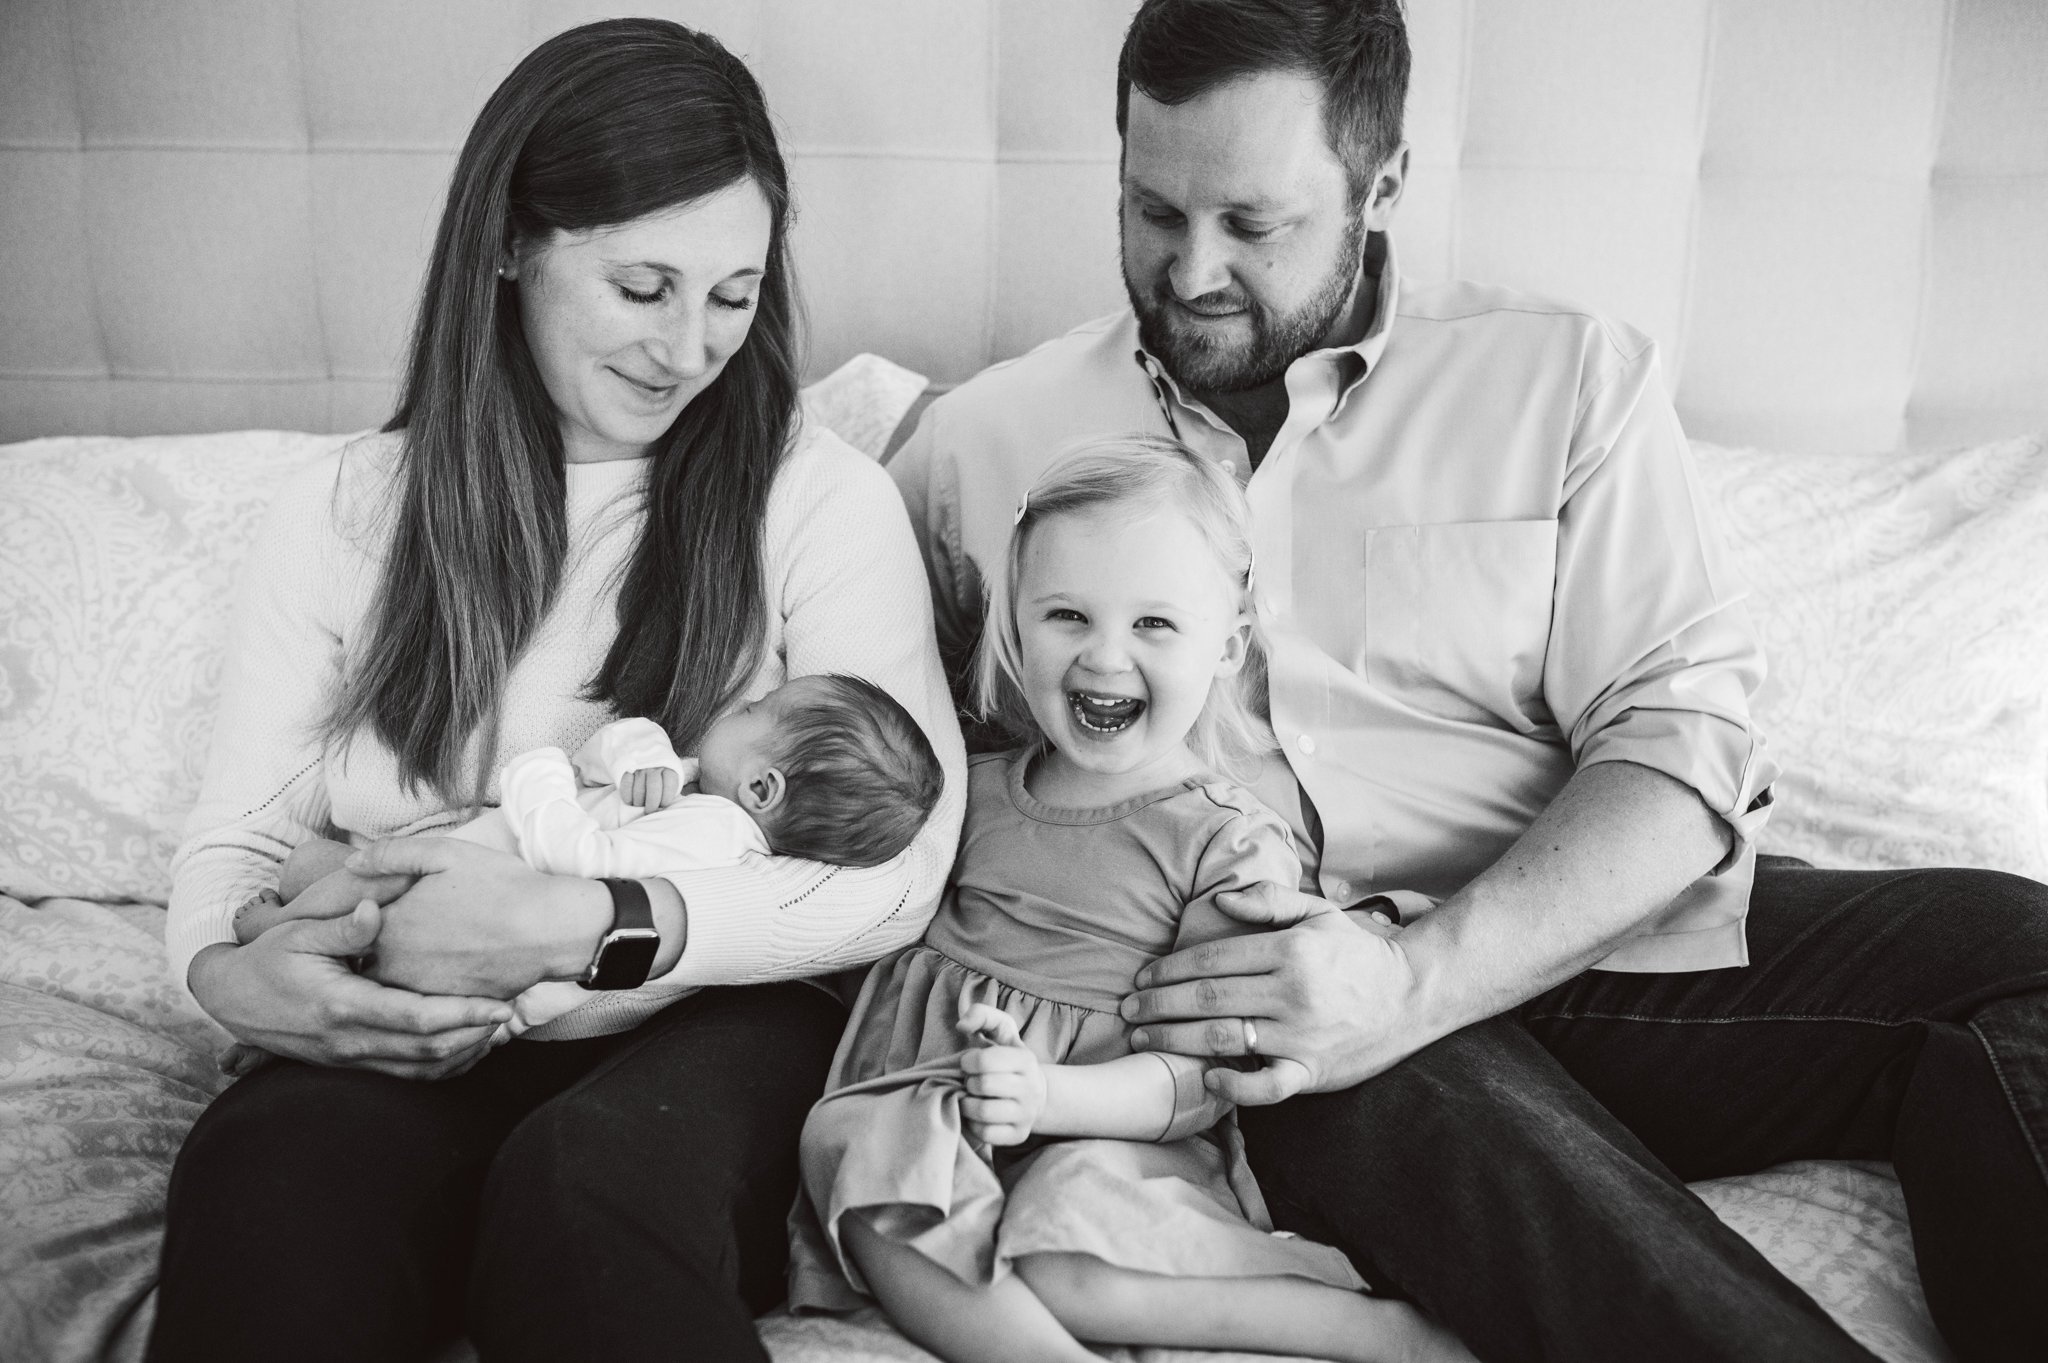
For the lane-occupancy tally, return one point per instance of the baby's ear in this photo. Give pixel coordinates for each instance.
(764, 792)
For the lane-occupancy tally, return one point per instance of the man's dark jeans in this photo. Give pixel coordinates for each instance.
(1522, 1179)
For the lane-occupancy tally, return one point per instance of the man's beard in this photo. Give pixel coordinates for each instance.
(1207, 365)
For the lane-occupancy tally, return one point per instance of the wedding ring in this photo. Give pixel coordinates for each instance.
(1251, 1038)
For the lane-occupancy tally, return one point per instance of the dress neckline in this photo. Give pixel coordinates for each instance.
(1031, 807)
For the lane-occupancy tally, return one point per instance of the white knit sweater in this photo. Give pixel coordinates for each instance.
(846, 593)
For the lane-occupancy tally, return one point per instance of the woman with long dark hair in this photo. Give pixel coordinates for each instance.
(596, 499)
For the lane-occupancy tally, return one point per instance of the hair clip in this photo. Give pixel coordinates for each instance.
(1022, 508)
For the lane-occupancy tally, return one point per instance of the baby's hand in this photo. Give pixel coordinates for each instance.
(1005, 1082)
(650, 788)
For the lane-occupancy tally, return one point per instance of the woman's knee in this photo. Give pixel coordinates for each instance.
(300, 1128)
(581, 1172)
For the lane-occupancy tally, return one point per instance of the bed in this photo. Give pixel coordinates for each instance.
(214, 213)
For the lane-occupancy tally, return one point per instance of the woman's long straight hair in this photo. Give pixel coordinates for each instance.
(598, 126)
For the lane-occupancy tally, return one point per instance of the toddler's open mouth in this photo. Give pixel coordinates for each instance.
(1104, 714)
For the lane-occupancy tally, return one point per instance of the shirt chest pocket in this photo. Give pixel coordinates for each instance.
(1457, 617)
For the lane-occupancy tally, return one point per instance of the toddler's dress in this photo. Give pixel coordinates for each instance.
(1049, 915)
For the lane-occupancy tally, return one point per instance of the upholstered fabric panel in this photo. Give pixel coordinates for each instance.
(213, 213)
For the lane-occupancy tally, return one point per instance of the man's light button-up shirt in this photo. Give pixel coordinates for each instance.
(1481, 561)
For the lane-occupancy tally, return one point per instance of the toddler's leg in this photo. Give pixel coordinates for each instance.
(1109, 1305)
(1000, 1323)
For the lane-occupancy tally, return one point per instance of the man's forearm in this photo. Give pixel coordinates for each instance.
(1618, 843)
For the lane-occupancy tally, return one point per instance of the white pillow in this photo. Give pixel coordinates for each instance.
(117, 567)
(1902, 600)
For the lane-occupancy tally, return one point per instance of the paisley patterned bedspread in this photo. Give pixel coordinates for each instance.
(103, 1067)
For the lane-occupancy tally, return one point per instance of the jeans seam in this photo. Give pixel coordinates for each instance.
(1600, 1016)
(2011, 1100)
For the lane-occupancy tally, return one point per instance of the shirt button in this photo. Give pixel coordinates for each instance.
(1306, 742)
(1342, 889)
(1230, 467)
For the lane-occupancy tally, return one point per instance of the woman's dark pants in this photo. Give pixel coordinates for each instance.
(619, 1198)
(1521, 1179)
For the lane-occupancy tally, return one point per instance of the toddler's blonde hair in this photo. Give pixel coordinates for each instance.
(1136, 471)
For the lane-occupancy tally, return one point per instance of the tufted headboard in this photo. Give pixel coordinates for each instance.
(1833, 213)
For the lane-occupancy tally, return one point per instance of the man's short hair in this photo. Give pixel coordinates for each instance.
(859, 775)
(1357, 50)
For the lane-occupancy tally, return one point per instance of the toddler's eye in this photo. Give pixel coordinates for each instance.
(1154, 622)
(1064, 613)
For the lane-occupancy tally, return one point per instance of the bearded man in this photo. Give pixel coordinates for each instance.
(1510, 677)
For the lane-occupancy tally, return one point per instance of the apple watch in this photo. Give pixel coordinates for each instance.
(627, 952)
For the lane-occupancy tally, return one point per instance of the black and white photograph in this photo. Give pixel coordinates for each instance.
(1024, 681)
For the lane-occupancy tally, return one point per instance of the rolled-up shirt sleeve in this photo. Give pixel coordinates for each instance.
(1652, 659)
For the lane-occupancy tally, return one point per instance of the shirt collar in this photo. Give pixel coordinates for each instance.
(1386, 276)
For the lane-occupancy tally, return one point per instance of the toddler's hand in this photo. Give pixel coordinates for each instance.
(1005, 1082)
(650, 788)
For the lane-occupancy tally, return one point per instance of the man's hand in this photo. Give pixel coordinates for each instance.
(1005, 1083)
(1330, 991)
(479, 922)
(650, 788)
(291, 992)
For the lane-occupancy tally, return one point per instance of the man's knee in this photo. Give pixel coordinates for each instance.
(1489, 1074)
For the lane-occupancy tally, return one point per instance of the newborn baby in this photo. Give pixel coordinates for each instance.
(827, 767)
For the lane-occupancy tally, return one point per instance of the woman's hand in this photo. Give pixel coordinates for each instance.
(1005, 1082)
(480, 922)
(292, 992)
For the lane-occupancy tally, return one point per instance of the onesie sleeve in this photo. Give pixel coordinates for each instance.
(627, 745)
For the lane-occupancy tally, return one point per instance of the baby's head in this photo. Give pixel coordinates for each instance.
(829, 766)
(1119, 622)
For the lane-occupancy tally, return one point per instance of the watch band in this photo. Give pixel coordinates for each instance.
(627, 953)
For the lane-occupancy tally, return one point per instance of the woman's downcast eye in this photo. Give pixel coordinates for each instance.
(633, 295)
(740, 304)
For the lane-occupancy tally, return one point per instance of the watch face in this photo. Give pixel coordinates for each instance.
(625, 959)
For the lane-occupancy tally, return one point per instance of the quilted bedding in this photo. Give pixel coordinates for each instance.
(104, 1065)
